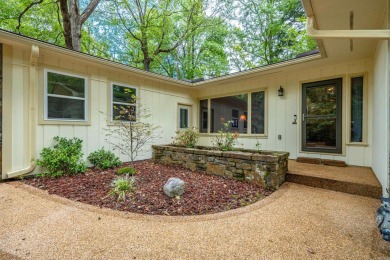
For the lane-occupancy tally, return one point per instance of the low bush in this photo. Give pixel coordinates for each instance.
(63, 159)
(121, 186)
(126, 170)
(104, 159)
(187, 138)
(225, 140)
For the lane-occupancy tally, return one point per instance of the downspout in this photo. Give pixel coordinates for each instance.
(31, 114)
(344, 34)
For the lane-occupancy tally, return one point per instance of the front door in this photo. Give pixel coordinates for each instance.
(322, 116)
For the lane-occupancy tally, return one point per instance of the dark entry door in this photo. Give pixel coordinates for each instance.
(322, 116)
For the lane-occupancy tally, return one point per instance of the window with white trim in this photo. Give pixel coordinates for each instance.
(184, 115)
(65, 96)
(123, 102)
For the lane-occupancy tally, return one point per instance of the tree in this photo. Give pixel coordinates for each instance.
(202, 55)
(72, 20)
(131, 130)
(267, 31)
(157, 27)
(67, 15)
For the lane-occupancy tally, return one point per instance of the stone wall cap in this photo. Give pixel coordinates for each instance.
(265, 158)
(237, 155)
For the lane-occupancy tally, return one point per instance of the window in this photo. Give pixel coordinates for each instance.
(234, 110)
(235, 118)
(356, 109)
(203, 106)
(65, 96)
(124, 103)
(184, 116)
(257, 108)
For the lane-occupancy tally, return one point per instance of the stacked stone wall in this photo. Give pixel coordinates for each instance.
(264, 168)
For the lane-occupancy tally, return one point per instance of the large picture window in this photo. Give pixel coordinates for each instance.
(123, 105)
(65, 96)
(234, 110)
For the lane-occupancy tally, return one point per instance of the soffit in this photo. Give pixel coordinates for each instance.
(335, 15)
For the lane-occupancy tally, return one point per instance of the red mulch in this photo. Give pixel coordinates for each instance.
(203, 193)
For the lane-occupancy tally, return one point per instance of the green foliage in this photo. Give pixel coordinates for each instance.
(265, 32)
(258, 145)
(63, 159)
(104, 159)
(126, 170)
(187, 138)
(185, 39)
(225, 140)
(121, 186)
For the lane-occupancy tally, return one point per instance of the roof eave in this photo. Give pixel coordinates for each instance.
(58, 49)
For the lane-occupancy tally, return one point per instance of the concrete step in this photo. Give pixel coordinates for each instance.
(362, 189)
(349, 179)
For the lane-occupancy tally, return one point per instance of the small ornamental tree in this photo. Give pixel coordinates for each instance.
(131, 130)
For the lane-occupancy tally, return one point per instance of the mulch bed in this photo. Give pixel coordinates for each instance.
(203, 193)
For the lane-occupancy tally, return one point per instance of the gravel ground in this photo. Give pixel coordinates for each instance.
(295, 222)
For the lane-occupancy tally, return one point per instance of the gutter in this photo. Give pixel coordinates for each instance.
(87, 57)
(31, 114)
(344, 34)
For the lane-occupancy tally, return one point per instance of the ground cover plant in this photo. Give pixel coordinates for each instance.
(204, 193)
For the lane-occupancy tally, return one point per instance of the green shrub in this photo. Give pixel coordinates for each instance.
(126, 170)
(63, 159)
(187, 138)
(121, 186)
(225, 140)
(104, 159)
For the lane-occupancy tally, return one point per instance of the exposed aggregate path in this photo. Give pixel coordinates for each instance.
(295, 222)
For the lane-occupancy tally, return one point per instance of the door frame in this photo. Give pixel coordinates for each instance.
(338, 82)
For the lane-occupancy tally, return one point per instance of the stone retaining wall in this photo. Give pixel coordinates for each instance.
(264, 168)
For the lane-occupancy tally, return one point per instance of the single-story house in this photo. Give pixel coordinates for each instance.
(331, 104)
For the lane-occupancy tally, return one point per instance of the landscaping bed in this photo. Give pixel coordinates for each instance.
(204, 193)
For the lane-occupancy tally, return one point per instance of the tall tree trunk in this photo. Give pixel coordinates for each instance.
(73, 21)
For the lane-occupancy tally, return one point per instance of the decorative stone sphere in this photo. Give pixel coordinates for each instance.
(174, 187)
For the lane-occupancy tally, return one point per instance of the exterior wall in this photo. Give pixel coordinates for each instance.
(160, 97)
(280, 111)
(380, 114)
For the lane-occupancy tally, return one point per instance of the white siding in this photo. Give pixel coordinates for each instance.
(160, 97)
(380, 114)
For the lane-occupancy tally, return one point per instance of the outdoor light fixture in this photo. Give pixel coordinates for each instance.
(243, 117)
(280, 92)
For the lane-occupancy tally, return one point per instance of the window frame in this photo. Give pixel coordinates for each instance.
(46, 99)
(249, 112)
(188, 108)
(112, 83)
(364, 141)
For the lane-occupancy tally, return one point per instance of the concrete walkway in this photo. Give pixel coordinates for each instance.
(296, 222)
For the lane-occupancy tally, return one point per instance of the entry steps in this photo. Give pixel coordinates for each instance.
(350, 179)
